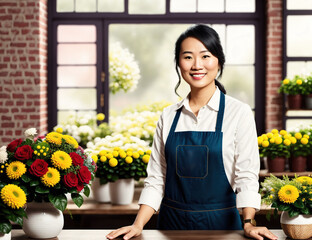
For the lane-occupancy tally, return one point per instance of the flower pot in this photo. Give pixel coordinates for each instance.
(100, 192)
(4, 236)
(309, 163)
(294, 101)
(308, 101)
(122, 191)
(299, 227)
(298, 164)
(276, 164)
(43, 221)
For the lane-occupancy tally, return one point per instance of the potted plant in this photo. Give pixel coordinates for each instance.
(299, 151)
(294, 89)
(294, 198)
(47, 168)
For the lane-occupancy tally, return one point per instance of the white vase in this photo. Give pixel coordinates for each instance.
(122, 191)
(299, 227)
(4, 236)
(100, 192)
(43, 220)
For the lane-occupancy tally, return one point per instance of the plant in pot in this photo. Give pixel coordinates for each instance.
(293, 89)
(294, 198)
(275, 146)
(46, 168)
(299, 151)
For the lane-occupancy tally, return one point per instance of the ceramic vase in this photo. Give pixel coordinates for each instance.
(122, 191)
(43, 221)
(100, 192)
(4, 236)
(299, 227)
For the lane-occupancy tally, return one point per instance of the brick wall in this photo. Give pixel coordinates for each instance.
(23, 67)
(274, 64)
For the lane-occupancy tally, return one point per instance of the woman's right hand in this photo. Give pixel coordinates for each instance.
(128, 232)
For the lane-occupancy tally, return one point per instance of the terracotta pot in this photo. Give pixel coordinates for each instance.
(277, 164)
(309, 163)
(298, 164)
(294, 101)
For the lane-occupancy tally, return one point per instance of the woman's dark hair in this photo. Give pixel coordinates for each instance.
(210, 38)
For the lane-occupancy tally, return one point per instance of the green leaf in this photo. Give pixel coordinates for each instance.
(268, 216)
(26, 178)
(77, 199)
(29, 162)
(299, 204)
(5, 226)
(34, 183)
(103, 181)
(293, 213)
(42, 190)
(59, 201)
(86, 191)
(305, 211)
(283, 207)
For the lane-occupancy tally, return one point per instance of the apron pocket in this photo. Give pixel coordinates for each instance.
(192, 161)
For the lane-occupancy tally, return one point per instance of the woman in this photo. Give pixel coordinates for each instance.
(205, 162)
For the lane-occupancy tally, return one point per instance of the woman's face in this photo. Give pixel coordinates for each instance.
(198, 66)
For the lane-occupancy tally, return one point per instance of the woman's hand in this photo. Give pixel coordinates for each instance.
(128, 232)
(258, 232)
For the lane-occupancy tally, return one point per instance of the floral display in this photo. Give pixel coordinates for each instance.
(124, 71)
(294, 86)
(47, 168)
(291, 195)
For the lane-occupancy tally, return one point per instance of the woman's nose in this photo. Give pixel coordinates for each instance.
(197, 64)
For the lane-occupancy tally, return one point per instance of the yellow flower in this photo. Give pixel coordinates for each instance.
(103, 159)
(113, 162)
(15, 170)
(122, 154)
(298, 135)
(287, 136)
(129, 153)
(61, 160)
(304, 179)
(141, 152)
(100, 116)
(287, 142)
(149, 152)
(71, 141)
(129, 160)
(146, 158)
(265, 143)
(283, 132)
(117, 149)
(136, 155)
(272, 140)
(293, 140)
(278, 140)
(59, 130)
(306, 136)
(288, 194)
(270, 135)
(299, 82)
(260, 140)
(274, 131)
(109, 155)
(95, 158)
(304, 141)
(13, 196)
(115, 154)
(54, 137)
(102, 153)
(286, 81)
(51, 178)
(38, 147)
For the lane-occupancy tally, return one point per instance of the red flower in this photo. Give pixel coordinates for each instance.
(94, 164)
(79, 187)
(70, 180)
(23, 153)
(84, 175)
(12, 146)
(39, 167)
(76, 158)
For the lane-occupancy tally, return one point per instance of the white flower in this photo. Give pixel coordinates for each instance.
(3, 154)
(31, 132)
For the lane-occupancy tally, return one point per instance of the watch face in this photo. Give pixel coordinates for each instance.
(252, 221)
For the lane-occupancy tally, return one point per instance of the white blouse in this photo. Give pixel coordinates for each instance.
(240, 148)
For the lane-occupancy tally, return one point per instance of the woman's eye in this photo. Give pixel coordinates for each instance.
(206, 56)
(187, 57)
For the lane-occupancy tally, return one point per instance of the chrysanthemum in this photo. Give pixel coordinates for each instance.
(61, 160)
(54, 137)
(288, 194)
(13, 196)
(304, 179)
(51, 178)
(71, 141)
(15, 169)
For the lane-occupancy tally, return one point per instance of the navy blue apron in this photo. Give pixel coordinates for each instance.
(197, 195)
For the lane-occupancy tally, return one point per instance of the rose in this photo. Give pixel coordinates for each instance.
(76, 158)
(23, 152)
(79, 187)
(39, 167)
(70, 180)
(84, 175)
(11, 147)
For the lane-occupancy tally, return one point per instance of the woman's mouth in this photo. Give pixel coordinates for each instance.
(198, 76)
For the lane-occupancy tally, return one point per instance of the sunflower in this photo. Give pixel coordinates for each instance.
(288, 194)
(51, 178)
(54, 137)
(304, 179)
(15, 169)
(13, 196)
(61, 160)
(71, 141)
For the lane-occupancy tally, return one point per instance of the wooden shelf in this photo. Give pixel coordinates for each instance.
(265, 173)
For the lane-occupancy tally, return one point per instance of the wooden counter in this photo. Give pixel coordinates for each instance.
(150, 234)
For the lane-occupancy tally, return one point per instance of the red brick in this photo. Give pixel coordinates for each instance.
(14, 10)
(29, 74)
(28, 110)
(4, 110)
(18, 96)
(2, 66)
(34, 117)
(20, 103)
(7, 125)
(4, 96)
(8, 4)
(18, 132)
(20, 117)
(6, 118)
(19, 81)
(19, 45)
(6, 17)
(16, 74)
(6, 59)
(4, 74)
(28, 124)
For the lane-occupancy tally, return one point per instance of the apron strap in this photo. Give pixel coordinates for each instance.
(220, 112)
(175, 121)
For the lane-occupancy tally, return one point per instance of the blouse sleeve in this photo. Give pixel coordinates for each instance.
(154, 183)
(247, 163)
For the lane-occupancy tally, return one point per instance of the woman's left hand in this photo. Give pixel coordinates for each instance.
(258, 232)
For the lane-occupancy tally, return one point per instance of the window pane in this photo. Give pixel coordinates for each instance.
(76, 33)
(111, 6)
(76, 54)
(70, 99)
(299, 36)
(85, 5)
(220, 29)
(295, 124)
(72, 76)
(210, 6)
(147, 6)
(240, 44)
(240, 6)
(65, 5)
(298, 68)
(64, 116)
(183, 6)
(299, 4)
(239, 82)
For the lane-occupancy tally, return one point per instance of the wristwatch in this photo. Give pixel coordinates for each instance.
(251, 221)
